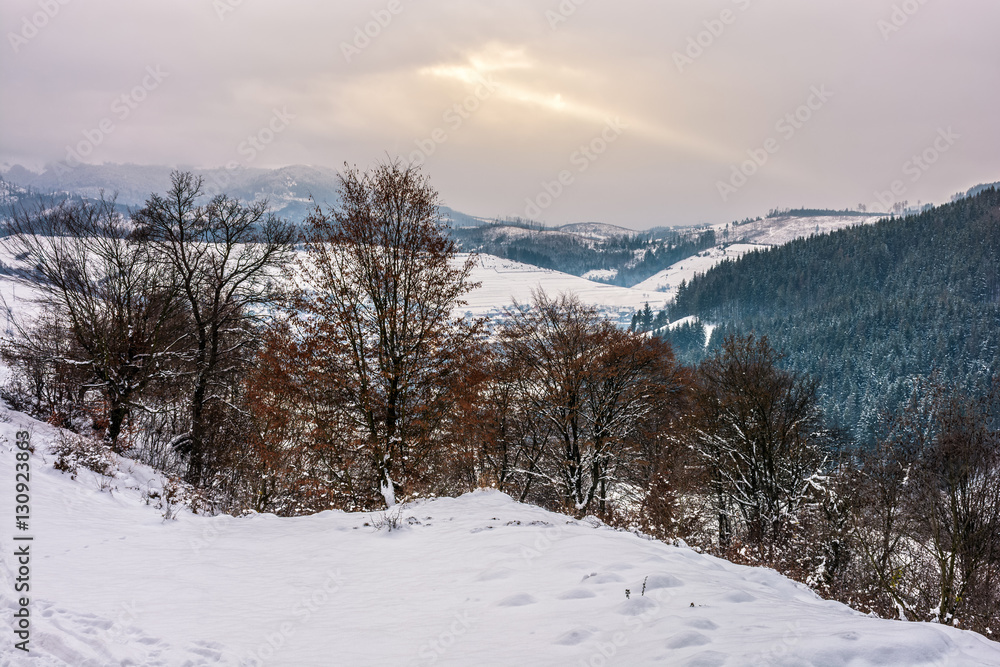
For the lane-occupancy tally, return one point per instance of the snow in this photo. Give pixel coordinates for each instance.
(474, 580)
(670, 278)
(757, 235)
(505, 280)
(596, 230)
(600, 274)
(693, 319)
(783, 229)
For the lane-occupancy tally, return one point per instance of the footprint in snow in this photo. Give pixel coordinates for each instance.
(210, 650)
(706, 659)
(688, 639)
(739, 596)
(606, 578)
(639, 606)
(574, 637)
(519, 600)
(701, 624)
(495, 573)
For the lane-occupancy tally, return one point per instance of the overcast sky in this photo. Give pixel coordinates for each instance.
(647, 112)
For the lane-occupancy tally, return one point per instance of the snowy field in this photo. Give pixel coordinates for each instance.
(669, 279)
(759, 235)
(776, 231)
(504, 280)
(477, 580)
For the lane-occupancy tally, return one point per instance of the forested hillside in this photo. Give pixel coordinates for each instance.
(867, 310)
(627, 259)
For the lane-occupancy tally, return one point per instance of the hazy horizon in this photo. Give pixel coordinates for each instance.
(559, 111)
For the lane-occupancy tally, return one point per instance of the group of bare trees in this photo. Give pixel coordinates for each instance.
(572, 408)
(189, 334)
(759, 433)
(149, 318)
(926, 514)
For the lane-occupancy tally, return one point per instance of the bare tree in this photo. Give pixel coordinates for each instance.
(588, 394)
(225, 256)
(926, 511)
(883, 524)
(380, 283)
(957, 508)
(117, 305)
(760, 433)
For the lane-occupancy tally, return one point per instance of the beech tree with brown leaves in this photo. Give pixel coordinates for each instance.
(382, 351)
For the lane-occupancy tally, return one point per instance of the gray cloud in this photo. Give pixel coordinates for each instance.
(554, 79)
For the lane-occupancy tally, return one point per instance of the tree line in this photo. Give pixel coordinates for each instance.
(285, 372)
(633, 257)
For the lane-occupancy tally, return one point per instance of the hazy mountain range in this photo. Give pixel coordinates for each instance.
(292, 191)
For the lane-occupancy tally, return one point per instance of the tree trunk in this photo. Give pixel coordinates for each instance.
(116, 417)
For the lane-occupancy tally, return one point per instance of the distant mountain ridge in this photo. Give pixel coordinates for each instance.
(596, 230)
(292, 191)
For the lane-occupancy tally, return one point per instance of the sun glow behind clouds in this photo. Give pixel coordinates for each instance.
(556, 88)
(524, 81)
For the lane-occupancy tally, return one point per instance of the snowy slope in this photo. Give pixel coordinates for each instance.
(778, 230)
(670, 278)
(757, 235)
(477, 580)
(504, 280)
(599, 231)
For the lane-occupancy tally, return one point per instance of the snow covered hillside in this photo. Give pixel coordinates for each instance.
(783, 229)
(739, 240)
(503, 280)
(476, 580)
(670, 278)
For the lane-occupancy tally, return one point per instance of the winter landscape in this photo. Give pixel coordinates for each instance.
(566, 333)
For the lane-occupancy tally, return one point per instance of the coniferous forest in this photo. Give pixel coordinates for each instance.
(871, 309)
